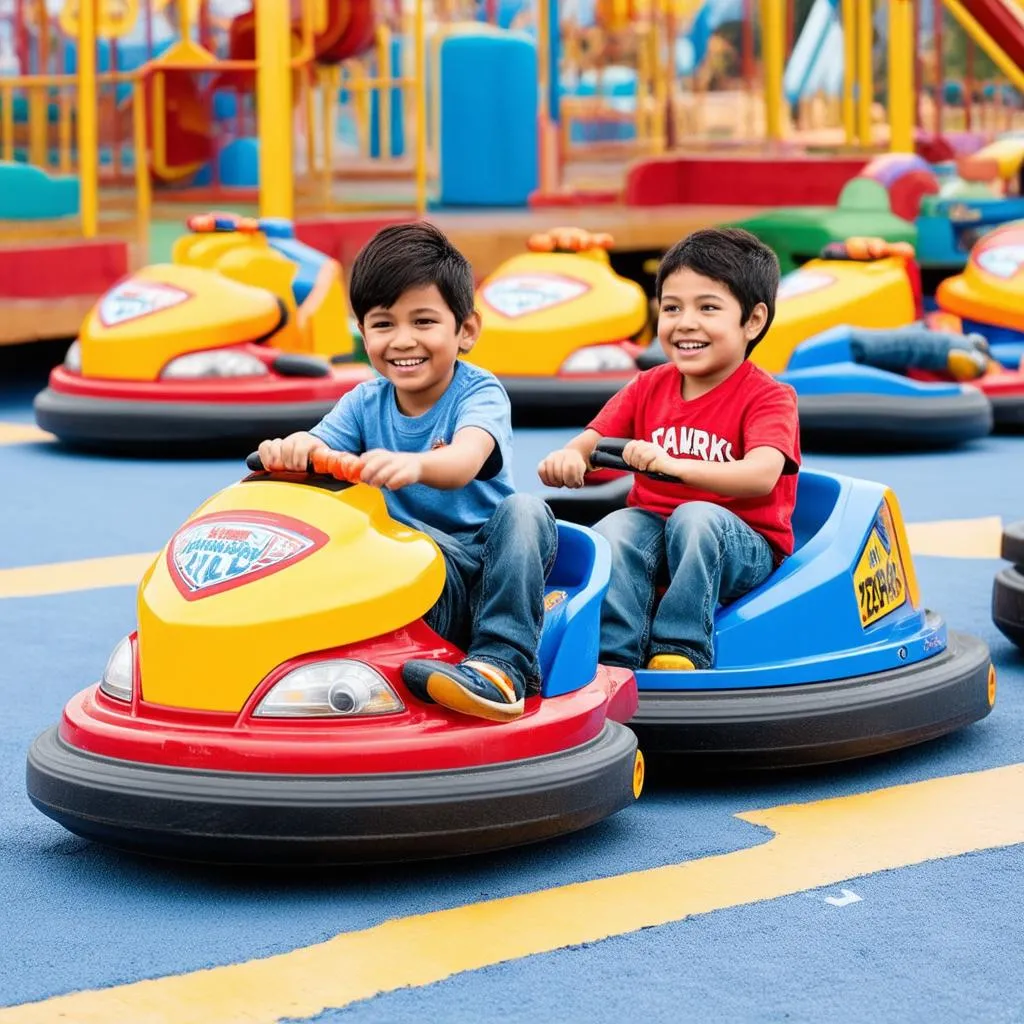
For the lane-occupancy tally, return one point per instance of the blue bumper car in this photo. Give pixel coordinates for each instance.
(832, 658)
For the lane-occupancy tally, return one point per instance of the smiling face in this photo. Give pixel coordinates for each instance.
(415, 344)
(700, 327)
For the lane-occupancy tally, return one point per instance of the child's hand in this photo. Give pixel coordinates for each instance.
(564, 468)
(392, 470)
(647, 457)
(291, 453)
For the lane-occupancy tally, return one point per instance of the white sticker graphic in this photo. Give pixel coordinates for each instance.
(131, 300)
(802, 282)
(1001, 260)
(212, 554)
(523, 294)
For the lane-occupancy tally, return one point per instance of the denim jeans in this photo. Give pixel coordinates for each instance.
(492, 605)
(914, 347)
(709, 555)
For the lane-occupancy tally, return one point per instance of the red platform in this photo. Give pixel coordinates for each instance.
(55, 271)
(764, 180)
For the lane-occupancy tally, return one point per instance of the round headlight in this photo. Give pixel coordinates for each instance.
(119, 674)
(330, 689)
(73, 358)
(599, 359)
(218, 362)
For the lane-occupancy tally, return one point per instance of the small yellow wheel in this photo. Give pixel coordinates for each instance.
(638, 774)
(991, 686)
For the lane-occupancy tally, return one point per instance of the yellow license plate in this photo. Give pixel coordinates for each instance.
(879, 581)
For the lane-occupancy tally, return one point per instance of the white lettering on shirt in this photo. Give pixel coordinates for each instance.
(690, 441)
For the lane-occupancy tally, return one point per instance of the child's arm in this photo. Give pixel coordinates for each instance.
(753, 476)
(447, 468)
(569, 465)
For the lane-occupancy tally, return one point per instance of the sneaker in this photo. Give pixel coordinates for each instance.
(471, 687)
(671, 663)
(967, 364)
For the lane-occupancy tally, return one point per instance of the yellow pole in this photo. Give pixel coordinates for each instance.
(901, 76)
(88, 131)
(865, 82)
(548, 175)
(330, 85)
(773, 45)
(143, 186)
(849, 13)
(384, 92)
(7, 120)
(420, 42)
(274, 108)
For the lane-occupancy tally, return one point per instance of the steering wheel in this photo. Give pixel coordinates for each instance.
(336, 465)
(608, 455)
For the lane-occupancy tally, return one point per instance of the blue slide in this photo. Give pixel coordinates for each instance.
(816, 64)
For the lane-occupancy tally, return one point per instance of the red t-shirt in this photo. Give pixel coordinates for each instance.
(749, 409)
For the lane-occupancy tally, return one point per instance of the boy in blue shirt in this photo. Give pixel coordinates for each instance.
(435, 434)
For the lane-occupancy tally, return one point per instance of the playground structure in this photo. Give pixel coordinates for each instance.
(327, 111)
(353, 90)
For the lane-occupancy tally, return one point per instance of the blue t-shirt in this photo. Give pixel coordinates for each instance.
(368, 417)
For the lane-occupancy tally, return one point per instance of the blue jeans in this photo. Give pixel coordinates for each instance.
(711, 556)
(492, 605)
(914, 347)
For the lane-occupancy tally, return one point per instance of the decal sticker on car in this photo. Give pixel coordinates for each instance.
(522, 294)
(802, 282)
(1001, 260)
(223, 551)
(879, 579)
(132, 300)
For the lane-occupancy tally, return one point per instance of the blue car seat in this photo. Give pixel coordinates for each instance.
(576, 586)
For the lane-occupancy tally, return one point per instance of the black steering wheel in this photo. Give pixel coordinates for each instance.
(608, 455)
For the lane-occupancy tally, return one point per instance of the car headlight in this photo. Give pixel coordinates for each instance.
(338, 688)
(218, 362)
(599, 359)
(73, 358)
(118, 676)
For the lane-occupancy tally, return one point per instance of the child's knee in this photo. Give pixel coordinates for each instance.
(699, 520)
(527, 515)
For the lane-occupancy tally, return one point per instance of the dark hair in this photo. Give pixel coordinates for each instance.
(733, 257)
(404, 256)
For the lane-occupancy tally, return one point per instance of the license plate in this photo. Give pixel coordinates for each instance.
(879, 580)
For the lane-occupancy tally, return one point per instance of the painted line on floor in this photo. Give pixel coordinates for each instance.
(22, 433)
(65, 577)
(814, 845)
(957, 538)
(951, 538)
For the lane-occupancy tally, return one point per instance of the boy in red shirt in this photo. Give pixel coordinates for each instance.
(725, 429)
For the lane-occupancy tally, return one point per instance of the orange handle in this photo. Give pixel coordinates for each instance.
(340, 465)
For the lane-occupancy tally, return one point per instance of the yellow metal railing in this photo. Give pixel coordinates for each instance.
(347, 93)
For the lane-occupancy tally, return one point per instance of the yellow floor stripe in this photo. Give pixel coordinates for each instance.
(957, 538)
(814, 845)
(63, 577)
(22, 433)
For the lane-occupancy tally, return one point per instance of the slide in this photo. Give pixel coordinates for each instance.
(1003, 20)
(816, 64)
(188, 133)
(349, 31)
(693, 47)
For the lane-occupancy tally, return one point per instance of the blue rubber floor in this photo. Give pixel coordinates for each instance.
(937, 941)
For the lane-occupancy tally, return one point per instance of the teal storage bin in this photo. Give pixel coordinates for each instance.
(29, 193)
(488, 137)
